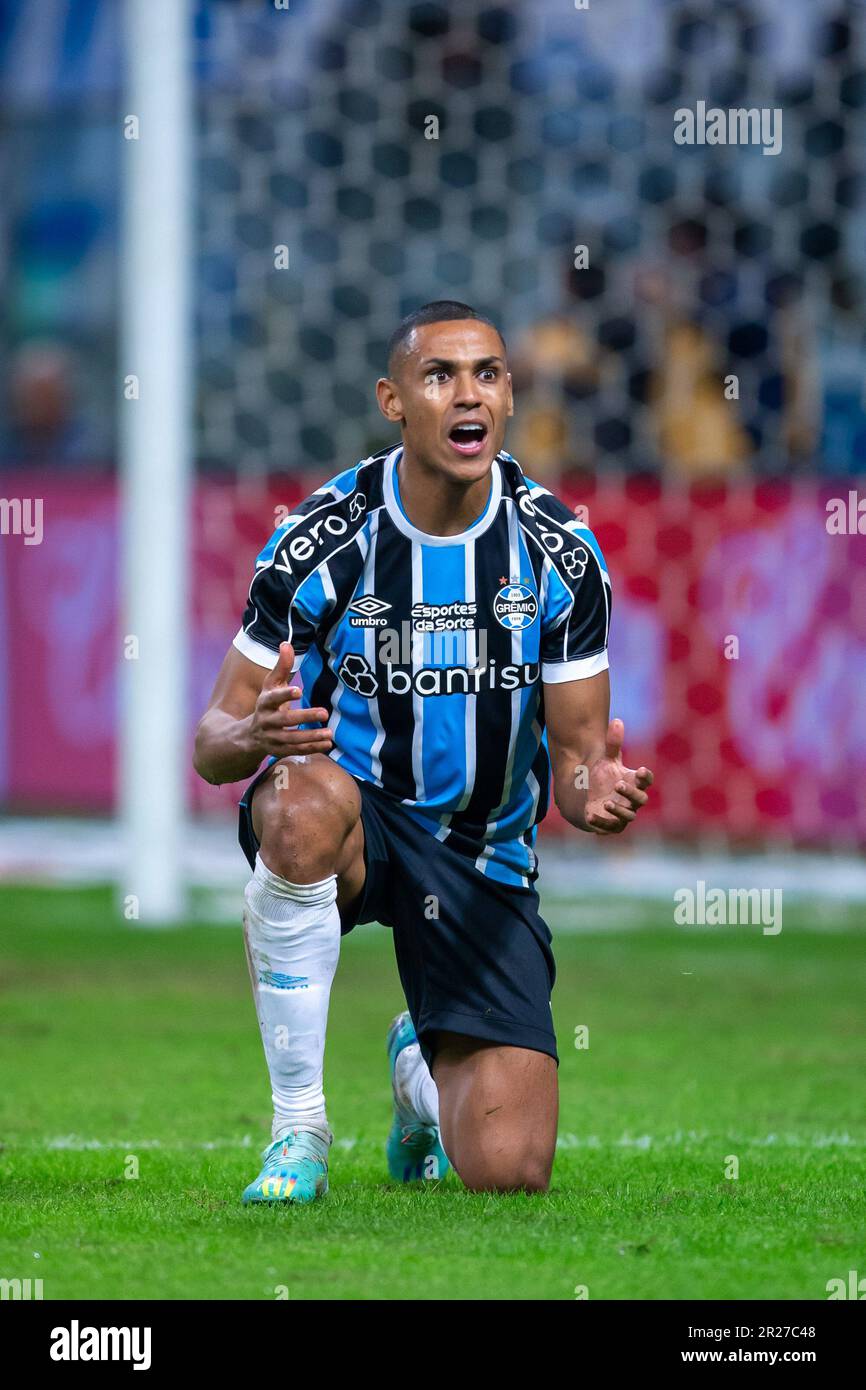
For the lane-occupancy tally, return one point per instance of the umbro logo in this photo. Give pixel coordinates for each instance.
(369, 610)
(368, 604)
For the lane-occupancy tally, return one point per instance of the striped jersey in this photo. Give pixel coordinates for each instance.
(431, 652)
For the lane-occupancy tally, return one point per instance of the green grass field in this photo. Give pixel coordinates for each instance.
(124, 1049)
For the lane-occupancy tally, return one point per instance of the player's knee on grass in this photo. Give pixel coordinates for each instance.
(504, 1157)
(520, 1170)
(498, 1111)
(304, 816)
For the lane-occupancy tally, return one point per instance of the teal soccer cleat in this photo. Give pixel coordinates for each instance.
(295, 1169)
(414, 1151)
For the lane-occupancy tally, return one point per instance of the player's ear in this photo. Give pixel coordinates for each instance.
(510, 410)
(389, 400)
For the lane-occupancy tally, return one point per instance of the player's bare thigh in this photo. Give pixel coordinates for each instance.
(498, 1112)
(307, 819)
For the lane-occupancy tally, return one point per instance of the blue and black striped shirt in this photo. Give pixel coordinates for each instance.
(431, 651)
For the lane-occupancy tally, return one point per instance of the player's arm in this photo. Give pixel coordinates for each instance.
(249, 718)
(591, 786)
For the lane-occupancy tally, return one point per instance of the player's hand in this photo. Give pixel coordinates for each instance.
(273, 725)
(615, 793)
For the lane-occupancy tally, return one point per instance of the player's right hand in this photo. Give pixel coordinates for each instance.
(273, 726)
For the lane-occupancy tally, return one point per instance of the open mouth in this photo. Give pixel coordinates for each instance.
(468, 439)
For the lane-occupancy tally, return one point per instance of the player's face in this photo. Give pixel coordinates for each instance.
(452, 396)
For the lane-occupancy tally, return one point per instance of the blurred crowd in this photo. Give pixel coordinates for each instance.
(712, 326)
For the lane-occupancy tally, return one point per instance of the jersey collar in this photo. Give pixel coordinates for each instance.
(402, 522)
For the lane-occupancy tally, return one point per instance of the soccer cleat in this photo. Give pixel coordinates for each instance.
(295, 1169)
(414, 1151)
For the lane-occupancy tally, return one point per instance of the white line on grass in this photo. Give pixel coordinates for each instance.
(73, 850)
(641, 1142)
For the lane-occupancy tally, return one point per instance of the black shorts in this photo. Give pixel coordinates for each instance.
(473, 954)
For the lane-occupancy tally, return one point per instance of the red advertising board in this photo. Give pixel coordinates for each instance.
(738, 645)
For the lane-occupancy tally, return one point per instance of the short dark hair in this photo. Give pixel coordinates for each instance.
(437, 311)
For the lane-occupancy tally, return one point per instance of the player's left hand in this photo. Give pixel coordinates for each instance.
(615, 793)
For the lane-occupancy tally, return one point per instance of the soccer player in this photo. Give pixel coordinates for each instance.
(448, 618)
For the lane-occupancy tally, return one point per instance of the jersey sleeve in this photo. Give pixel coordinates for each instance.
(575, 602)
(286, 602)
(309, 567)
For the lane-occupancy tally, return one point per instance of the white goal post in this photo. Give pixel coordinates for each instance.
(156, 453)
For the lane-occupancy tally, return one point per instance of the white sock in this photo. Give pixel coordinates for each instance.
(414, 1088)
(292, 935)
